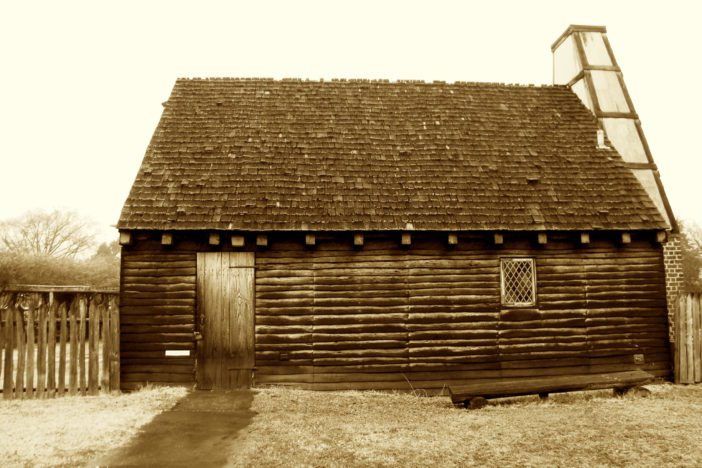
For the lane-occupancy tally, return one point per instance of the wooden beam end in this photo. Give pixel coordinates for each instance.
(453, 239)
(125, 238)
(310, 240)
(406, 239)
(626, 238)
(214, 238)
(543, 238)
(238, 241)
(662, 237)
(499, 238)
(166, 238)
(584, 237)
(358, 239)
(262, 240)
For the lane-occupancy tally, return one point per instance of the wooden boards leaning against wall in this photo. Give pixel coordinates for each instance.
(687, 327)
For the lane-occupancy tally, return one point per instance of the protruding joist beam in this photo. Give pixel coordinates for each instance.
(498, 238)
(358, 239)
(125, 238)
(584, 237)
(543, 238)
(626, 238)
(214, 238)
(406, 239)
(166, 238)
(238, 241)
(662, 236)
(310, 240)
(452, 238)
(261, 240)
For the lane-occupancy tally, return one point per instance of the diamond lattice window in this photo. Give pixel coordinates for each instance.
(518, 282)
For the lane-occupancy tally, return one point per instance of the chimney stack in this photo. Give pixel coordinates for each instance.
(583, 59)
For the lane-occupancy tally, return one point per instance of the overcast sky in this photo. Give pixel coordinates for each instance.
(82, 83)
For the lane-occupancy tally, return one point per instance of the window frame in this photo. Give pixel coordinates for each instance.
(535, 300)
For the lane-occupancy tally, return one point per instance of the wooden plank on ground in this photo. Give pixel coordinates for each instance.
(31, 341)
(51, 348)
(82, 315)
(113, 312)
(7, 385)
(41, 346)
(548, 384)
(73, 330)
(20, 340)
(105, 339)
(93, 338)
(63, 336)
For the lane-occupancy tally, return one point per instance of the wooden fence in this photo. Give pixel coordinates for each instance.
(688, 339)
(58, 343)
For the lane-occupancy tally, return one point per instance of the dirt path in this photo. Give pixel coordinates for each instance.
(198, 431)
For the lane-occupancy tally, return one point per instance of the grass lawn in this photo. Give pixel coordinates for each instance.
(302, 428)
(73, 430)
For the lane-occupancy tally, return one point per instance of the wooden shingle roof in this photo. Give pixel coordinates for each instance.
(260, 154)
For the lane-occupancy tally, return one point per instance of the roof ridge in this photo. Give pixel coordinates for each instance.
(368, 81)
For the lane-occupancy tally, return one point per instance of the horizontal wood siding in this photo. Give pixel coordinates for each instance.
(157, 306)
(335, 317)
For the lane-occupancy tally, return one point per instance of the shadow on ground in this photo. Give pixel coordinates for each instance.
(198, 431)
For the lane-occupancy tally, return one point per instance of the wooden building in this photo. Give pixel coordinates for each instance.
(393, 235)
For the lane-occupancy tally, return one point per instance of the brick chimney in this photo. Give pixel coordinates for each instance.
(583, 59)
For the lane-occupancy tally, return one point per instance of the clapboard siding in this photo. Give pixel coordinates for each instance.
(157, 307)
(385, 317)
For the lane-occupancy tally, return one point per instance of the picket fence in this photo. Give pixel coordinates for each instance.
(688, 339)
(58, 342)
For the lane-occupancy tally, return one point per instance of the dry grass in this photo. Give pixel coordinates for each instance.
(72, 430)
(301, 428)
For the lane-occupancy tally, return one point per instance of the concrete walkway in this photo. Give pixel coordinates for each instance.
(198, 431)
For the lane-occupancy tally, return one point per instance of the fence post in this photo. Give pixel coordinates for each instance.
(41, 345)
(29, 375)
(51, 345)
(697, 338)
(63, 334)
(9, 350)
(106, 346)
(93, 340)
(73, 332)
(113, 311)
(689, 343)
(3, 312)
(83, 311)
(20, 343)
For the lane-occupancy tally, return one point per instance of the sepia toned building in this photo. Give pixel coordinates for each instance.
(360, 234)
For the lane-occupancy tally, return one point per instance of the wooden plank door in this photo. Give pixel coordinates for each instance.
(225, 299)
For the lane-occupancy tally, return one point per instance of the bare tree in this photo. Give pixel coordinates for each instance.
(60, 234)
(692, 256)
